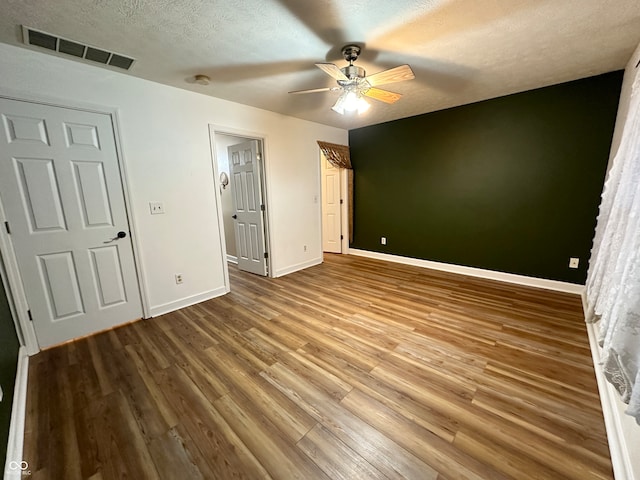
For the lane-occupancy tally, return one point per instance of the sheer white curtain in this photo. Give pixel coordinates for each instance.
(613, 282)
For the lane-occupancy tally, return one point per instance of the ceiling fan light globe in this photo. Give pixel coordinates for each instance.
(339, 105)
(350, 101)
(363, 106)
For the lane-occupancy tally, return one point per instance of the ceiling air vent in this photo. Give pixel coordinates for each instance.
(75, 49)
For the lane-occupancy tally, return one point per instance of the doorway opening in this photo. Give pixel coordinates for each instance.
(240, 178)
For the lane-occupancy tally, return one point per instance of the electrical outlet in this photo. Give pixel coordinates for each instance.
(573, 262)
(383, 240)
(179, 278)
(156, 208)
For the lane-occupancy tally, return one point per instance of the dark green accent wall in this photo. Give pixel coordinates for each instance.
(8, 363)
(510, 184)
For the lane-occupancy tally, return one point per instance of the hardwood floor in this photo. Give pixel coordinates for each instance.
(354, 369)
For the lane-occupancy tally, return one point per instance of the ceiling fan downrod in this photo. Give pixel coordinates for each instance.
(350, 54)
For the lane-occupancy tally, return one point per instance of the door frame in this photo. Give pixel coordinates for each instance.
(242, 135)
(11, 267)
(344, 210)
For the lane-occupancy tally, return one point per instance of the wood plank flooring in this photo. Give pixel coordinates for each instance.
(354, 369)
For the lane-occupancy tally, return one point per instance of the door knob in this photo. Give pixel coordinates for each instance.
(234, 216)
(118, 236)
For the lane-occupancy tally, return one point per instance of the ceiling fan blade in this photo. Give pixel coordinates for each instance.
(316, 90)
(396, 74)
(333, 70)
(383, 95)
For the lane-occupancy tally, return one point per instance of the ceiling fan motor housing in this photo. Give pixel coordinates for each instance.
(353, 72)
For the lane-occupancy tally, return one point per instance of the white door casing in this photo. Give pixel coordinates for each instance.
(248, 205)
(331, 207)
(62, 193)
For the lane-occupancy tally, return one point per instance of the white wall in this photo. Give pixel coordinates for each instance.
(165, 145)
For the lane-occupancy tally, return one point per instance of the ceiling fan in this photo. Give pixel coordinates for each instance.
(354, 83)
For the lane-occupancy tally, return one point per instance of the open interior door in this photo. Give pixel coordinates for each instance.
(248, 205)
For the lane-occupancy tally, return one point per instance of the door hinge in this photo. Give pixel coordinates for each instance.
(6, 226)
(30, 316)
(341, 237)
(341, 201)
(266, 255)
(262, 207)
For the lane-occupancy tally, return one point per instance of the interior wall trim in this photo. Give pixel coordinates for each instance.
(232, 259)
(298, 266)
(188, 301)
(475, 272)
(18, 416)
(626, 463)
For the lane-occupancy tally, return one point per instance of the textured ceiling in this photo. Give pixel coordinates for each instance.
(255, 51)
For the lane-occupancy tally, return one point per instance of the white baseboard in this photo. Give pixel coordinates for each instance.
(299, 266)
(474, 272)
(622, 430)
(13, 467)
(188, 301)
(232, 259)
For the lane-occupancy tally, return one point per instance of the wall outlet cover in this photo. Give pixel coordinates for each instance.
(156, 208)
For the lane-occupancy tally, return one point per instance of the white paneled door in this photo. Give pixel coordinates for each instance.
(246, 191)
(61, 189)
(331, 209)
